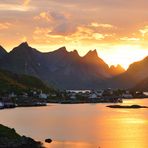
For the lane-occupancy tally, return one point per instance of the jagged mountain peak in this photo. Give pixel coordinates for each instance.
(2, 51)
(24, 44)
(112, 66)
(92, 57)
(92, 53)
(61, 49)
(116, 70)
(75, 53)
(63, 52)
(68, 70)
(118, 66)
(23, 49)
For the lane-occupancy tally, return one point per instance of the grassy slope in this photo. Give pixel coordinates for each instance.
(13, 82)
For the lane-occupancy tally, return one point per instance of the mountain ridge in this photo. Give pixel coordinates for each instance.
(68, 70)
(61, 68)
(136, 72)
(3, 52)
(142, 85)
(116, 70)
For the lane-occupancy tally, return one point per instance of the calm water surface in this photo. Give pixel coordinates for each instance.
(82, 125)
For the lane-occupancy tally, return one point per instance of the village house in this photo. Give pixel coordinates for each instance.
(99, 93)
(43, 96)
(127, 95)
(73, 96)
(1, 105)
(93, 96)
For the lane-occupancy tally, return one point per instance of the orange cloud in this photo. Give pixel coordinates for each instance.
(26, 2)
(42, 31)
(43, 15)
(129, 39)
(4, 25)
(144, 31)
(14, 7)
(95, 24)
(98, 36)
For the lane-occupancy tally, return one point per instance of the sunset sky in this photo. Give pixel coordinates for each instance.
(118, 29)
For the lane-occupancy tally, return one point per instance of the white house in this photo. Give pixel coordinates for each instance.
(100, 93)
(145, 93)
(127, 96)
(73, 96)
(1, 105)
(43, 96)
(93, 96)
(34, 92)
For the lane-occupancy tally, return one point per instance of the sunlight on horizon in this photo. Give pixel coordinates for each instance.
(123, 55)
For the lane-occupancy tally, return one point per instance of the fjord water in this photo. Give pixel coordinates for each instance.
(82, 125)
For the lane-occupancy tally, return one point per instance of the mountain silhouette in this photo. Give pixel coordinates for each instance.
(116, 70)
(134, 74)
(142, 86)
(68, 70)
(2, 52)
(61, 68)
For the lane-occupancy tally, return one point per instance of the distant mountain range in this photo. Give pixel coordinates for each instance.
(116, 70)
(136, 72)
(68, 70)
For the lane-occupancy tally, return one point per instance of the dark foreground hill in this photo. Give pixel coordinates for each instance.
(10, 139)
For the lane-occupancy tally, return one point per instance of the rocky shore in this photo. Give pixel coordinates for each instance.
(10, 139)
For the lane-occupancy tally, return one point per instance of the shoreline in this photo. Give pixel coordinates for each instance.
(69, 102)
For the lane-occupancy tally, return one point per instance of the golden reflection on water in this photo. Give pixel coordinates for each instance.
(64, 144)
(83, 125)
(133, 121)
